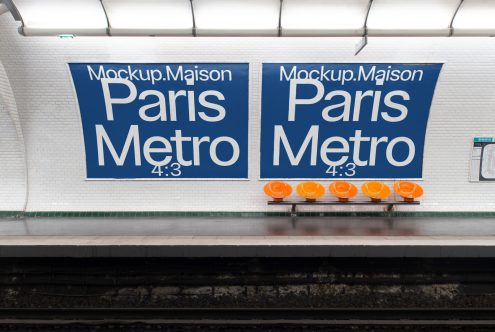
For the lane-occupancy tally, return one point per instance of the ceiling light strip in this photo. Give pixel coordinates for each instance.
(397, 30)
(237, 18)
(411, 17)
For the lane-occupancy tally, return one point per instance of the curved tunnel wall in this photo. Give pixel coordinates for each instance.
(12, 164)
(463, 107)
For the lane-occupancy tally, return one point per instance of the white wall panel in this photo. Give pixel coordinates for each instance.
(463, 106)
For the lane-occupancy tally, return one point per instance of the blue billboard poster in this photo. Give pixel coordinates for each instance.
(345, 121)
(163, 121)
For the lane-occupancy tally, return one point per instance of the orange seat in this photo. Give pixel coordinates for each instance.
(310, 190)
(408, 190)
(343, 190)
(278, 190)
(376, 190)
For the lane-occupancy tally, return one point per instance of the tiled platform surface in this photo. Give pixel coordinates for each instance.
(248, 237)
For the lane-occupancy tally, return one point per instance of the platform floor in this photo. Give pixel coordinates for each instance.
(240, 237)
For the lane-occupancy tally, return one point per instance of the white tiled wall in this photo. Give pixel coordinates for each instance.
(12, 166)
(463, 106)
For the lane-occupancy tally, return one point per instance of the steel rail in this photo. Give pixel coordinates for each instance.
(252, 316)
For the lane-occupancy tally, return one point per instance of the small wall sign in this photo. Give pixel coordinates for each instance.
(482, 159)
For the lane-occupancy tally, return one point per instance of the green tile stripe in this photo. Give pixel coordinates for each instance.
(141, 214)
(15, 214)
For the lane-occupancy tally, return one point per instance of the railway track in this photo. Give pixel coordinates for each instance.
(82, 291)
